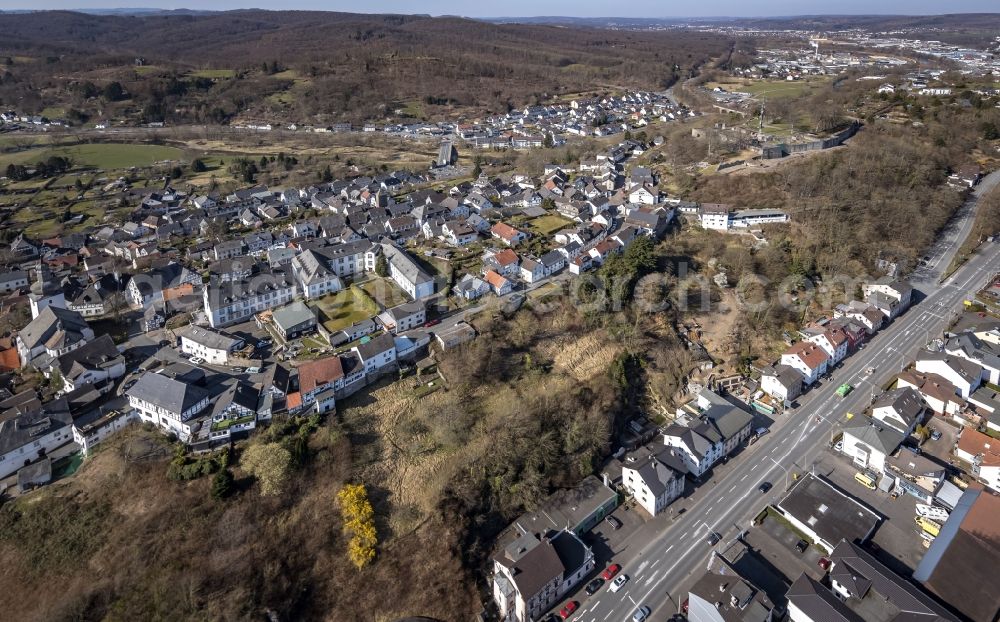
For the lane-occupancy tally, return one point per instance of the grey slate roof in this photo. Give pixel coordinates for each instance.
(169, 394)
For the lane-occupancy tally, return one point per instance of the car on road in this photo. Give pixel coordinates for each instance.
(618, 583)
(641, 614)
(713, 538)
(430, 323)
(935, 434)
(614, 522)
(764, 487)
(801, 546)
(568, 610)
(197, 360)
(593, 586)
(610, 571)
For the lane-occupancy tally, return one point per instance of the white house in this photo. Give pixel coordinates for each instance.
(53, 333)
(33, 434)
(900, 409)
(982, 452)
(966, 376)
(781, 382)
(377, 353)
(407, 273)
(214, 346)
(531, 271)
(98, 363)
(168, 403)
(867, 442)
(808, 359)
(834, 342)
(652, 477)
(404, 317)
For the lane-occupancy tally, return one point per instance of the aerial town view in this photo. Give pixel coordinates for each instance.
(500, 312)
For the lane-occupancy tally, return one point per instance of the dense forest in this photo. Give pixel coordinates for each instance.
(318, 66)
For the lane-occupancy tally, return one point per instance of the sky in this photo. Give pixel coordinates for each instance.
(578, 8)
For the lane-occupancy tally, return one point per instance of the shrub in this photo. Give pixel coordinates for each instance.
(270, 464)
(359, 521)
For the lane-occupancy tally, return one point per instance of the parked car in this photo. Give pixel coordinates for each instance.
(263, 343)
(618, 583)
(824, 563)
(713, 538)
(593, 586)
(568, 610)
(614, 522)
(610, 571)
(430, 323)
(801, 546)
(761, 431)
(239, 370)
(935, 434)
(197, 360)
(764, 487)
(839, 447)
(253, 370)
(641, 614)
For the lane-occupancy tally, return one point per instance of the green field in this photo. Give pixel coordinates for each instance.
(107, 156)
(549, 224)
(384, 291)
(213, 74)
(340, 310)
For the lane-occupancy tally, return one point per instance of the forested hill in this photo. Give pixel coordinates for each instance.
(337, 62)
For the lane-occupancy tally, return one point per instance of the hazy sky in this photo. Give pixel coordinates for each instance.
(582, 8)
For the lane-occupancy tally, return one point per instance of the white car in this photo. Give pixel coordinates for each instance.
(253, 370)
(197, 360)
(618, 583)
(839, 447)
(640, 614)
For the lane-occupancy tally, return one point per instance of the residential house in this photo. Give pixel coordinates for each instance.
(169, 403)
(781, 382)
(825, 514)
(53, 333)
(318, 382)
(889, 296)
(294, 320)
(507, 234)
(237, 409)
(970, 347)
(498, 283)
(865, 314)
(32, 432)
(470, 287)
(718, 429)
(808, 359)
(654, 477)
(531, 271)
(505, 262)
(215, 347)
(13, 281)
(715, 216)
(552, 262)
(965, 375)
(937, 393)
(901, 409)
(404, 317)
(407, 273)
(534, 571)
(159, 286)
(229, 303)
(98, 363)
(834, 342)
(982, 453)
(377, 354)
(868, 443)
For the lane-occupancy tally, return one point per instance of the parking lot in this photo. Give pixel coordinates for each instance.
(897, 537)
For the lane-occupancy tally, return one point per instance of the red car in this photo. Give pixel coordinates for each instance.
(568, 610)
(430, 323)
(611, 571)
(824, 563)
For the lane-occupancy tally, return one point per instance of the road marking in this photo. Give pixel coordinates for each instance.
(745, 475)
(668, 549)
(653, 565)
(733, 487)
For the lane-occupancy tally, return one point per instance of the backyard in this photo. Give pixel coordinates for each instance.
(340, 310)
(548, 224)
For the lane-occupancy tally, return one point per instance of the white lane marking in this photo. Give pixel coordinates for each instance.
(653, 565)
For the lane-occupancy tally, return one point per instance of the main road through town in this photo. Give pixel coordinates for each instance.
(668, 562)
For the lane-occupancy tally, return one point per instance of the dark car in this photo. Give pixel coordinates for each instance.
(801, 546)
(614, 522)
(593, 586)
(713, 538)
(764, 487)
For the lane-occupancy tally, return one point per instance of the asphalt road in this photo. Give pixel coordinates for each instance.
(665, 566)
